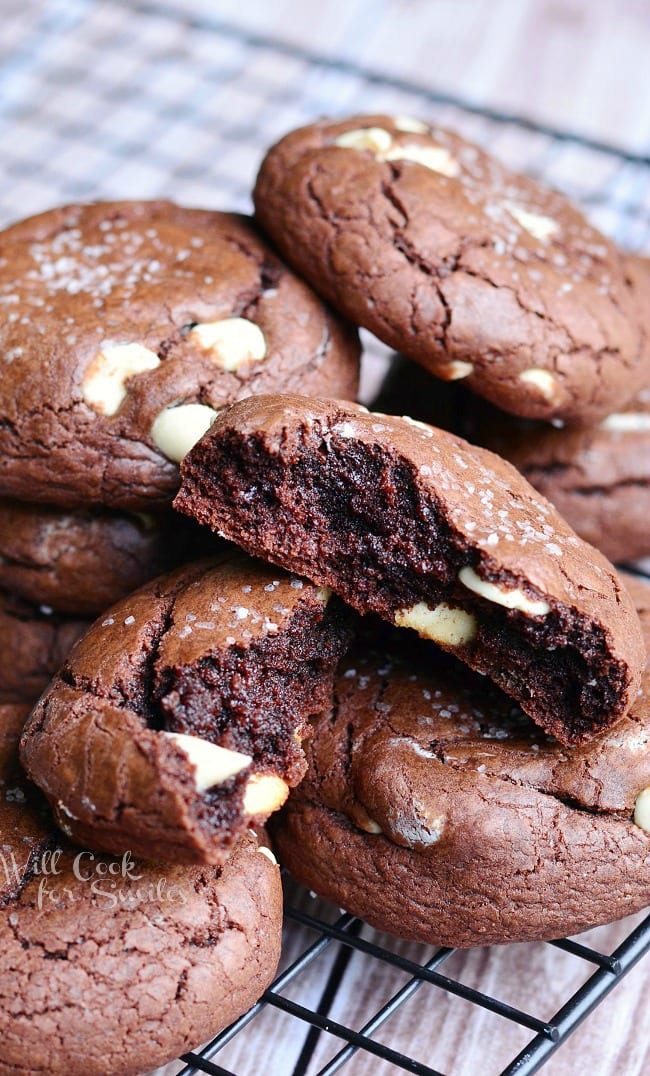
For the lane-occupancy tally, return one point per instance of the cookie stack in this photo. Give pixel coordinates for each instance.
(399, 654)
(126, 327)
(434, 806)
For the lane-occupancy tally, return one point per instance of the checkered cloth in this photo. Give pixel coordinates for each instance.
(101, 100)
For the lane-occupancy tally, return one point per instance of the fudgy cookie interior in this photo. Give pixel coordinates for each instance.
(122, 743)
(354, 516)
(252, 700)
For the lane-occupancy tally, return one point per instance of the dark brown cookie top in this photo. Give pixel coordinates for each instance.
(166, 956)
(431, 533)
(126, 326)
(177, 720)
(474, 271)
(33, 643)
(81, 561)
(598, 474)
(434, 809)
(592, 475)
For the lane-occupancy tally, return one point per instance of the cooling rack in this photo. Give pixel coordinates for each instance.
(112, 99)
(324, 930)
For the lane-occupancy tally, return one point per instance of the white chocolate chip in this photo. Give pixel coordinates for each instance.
(344, 429)
(230, 342)
(365, 138)
(421, 829)
(455, 370)
(212, 764)
(627, 422)
(264, 851)
(264, 793)
(380, 142)
(443, 624)
(104, 384)
(363, 820)
(542, 380)
(177, 429)
(324, 594)
(410, 125)
(436, 158)
(511, 599)
(631, 743)
(642, 810)
(535, 224)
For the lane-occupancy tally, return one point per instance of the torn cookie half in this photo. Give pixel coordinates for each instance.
(178, 719)
(431, 533)
(435, 810)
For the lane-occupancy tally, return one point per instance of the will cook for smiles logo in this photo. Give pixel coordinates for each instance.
(65, 879)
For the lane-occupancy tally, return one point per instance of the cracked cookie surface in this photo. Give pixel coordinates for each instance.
(125, 326)
(472, 270)
(177, 720)
(436, 811)
(117, 965)
(432, 533)
(593, 475)
(598, 477)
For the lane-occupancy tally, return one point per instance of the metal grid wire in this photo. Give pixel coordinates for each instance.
(321, 933)
(114, 99)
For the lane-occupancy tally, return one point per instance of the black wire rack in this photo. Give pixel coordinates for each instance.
(345, 936)
(115, 98)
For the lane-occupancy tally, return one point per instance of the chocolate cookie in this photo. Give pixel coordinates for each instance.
(127, 326)
(476, 272)
(598, 478)
(431, 533)
(116, 965)
(436, 811)
(80, 562)
(177, 720)
(33, 643)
